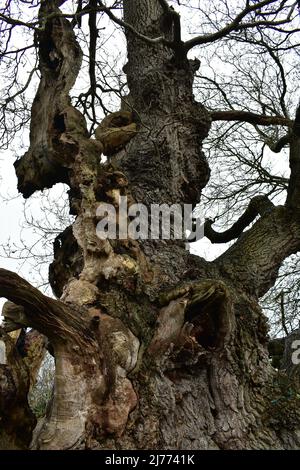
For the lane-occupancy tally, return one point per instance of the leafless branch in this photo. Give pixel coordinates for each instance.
(251, 118)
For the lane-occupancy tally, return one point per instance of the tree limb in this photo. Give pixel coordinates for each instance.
(282, 142)
(77, 18)
(165, 6)
(282, 312)
(15, 22)
(92, 52)
(129, 27)
(251, 118)
(56, 320)
(234, 25)
(175, 17)
(258, 205)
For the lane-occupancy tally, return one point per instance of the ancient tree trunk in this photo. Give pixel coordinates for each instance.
(21, 355)
(154, 347)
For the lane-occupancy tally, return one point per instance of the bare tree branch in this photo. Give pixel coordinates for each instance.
(15, 22)
(293, 197)
(282, 312)
(115, 19)
(280, 144)
(237, 25)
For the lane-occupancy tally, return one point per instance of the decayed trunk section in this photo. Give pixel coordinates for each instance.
(16, 418)
(154, 348)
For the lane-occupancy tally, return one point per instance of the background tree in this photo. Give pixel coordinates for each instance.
(155, 347)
